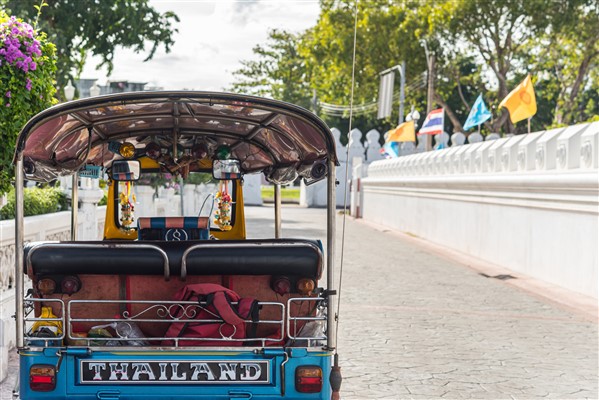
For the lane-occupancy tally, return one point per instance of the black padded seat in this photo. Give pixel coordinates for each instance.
(295, 257)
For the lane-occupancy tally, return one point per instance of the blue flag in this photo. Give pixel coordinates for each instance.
(390, 150)
(478, 114)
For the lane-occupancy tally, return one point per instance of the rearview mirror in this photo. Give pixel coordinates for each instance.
(125, 170)
(226, 169)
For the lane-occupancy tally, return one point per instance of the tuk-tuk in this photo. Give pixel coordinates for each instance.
(176, 306)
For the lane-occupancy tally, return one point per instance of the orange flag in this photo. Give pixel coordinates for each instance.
(405, 132)
(521, 102)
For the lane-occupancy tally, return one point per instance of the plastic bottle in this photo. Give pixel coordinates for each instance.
(127, 330)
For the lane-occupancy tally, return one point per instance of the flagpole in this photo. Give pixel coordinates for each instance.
(529, 124)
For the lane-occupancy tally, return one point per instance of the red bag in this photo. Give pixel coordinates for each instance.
(214, 303)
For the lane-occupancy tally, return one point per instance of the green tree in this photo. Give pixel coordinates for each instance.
(82, 27)
(480, 46)
(279, 71)
(27, 68)
(320, 59)
(388, 32)
(570, 49)
(556, 44)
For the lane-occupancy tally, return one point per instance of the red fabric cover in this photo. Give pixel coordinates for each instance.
(219, 300)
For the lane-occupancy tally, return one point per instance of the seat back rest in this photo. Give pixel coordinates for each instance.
(293, 257)
(173, 228)
(98, 258)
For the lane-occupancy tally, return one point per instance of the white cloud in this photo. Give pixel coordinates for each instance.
(213, 37)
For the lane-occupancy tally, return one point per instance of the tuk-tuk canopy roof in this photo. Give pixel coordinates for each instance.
(263, 134)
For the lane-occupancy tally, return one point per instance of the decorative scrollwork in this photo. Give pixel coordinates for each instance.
(172, 311)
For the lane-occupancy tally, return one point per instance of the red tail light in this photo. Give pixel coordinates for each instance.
(281, 285)
(42, 378)
(308, 379)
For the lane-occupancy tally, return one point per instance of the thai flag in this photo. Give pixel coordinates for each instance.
(433, 123)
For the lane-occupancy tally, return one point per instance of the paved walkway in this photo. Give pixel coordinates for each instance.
(415, 325)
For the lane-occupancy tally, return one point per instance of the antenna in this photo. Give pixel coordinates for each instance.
(336, 370)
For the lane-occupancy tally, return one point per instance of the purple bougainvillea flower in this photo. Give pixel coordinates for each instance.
(28, 84)
(18, 47)
(8, 94)
(7, 104)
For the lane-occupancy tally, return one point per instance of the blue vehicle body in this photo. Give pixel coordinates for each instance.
(69, 386)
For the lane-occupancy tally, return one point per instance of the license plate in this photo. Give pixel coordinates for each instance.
(174, 372)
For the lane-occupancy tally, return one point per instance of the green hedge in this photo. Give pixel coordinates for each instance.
(36, 201)
(287, 193)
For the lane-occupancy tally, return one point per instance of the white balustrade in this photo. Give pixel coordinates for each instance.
(526, 151)
(589, 147)
(475, 137)
(458, 139)
(509, 153)
(568, 147)
(525, 202)
(546, 152)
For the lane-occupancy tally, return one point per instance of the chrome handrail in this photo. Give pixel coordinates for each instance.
(291, 318)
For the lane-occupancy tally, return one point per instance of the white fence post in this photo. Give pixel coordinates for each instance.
(190, 206)
(89, 196)
(252, 195)
(373, 151)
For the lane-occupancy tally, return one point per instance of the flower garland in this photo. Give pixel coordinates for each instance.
(127, 207)
(222, 216)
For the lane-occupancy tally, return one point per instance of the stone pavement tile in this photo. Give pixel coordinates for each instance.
(474, 394)
(7, 385)
(427, 389)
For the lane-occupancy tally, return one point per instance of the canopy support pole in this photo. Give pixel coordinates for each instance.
(331, 229)
(19, 226)
(277, 211)
(74, 205)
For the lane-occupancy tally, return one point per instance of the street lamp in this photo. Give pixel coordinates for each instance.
(94, 90)
(69, 91)
(413, 115)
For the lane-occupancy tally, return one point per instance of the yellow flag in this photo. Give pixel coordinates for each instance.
(521, 102)
(405, 132)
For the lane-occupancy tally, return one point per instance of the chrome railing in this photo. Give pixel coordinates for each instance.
(287, 324)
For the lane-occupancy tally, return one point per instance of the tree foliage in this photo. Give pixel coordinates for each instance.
(83, 27)
(27, 68)
(279, 72)
(480, 46)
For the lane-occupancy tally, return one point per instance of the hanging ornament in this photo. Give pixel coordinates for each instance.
(223, 152)
(127, 207)
(222, 216)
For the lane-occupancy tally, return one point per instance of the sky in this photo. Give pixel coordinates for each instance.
(213, 37)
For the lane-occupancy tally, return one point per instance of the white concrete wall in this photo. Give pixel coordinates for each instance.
(529, 203)
(56, 226)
